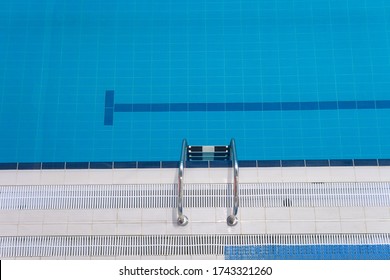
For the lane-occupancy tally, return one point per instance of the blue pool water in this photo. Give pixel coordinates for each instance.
(287, 79)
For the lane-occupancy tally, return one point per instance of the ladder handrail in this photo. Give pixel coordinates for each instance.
(181, 219)
(232, 219)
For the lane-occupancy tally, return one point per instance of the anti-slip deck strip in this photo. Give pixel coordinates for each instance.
(367, 194)
(169, 245)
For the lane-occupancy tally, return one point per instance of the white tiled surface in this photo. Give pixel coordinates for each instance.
(344, 174)
(201, 221)
(8, 177)
(249, 175)
(56, 216)
(377, 213)
(108, 228)
(100, 177)
(50, 177)
(353, 227)
(54, 229)
(9, 229)
(384, 174)
(356, 213)
(302, 214)
(382, 226)
(218, 174)
(9, 216)
(173, 228)
(30, 229)
(327, 214)
(367, 174)
(79, 229)
(120, 176)
(318, 174)
(31, 217)
(196, 175)
(303, 227)
(103, 215)
(253, 227)
(152, 176)
(129, 229)
(328, 226)
(27, 177)
(129, 214)
(277, 214)
(273, 226)
(168, 175)
(272, 174)
(294, 174)
(249, 214)
(71, 177)
(79, 216)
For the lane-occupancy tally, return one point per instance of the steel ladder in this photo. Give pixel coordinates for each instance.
(208, 153)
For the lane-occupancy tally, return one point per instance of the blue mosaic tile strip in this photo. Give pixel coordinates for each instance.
(247, 163)
(269, 163)
(341, 162)
(77, 165)
(197, 164)
(111, 107)
(192, 164)
(170, 164)
(100, 165)
(293, 163)
(29, 165)
(53, 165)
(224, 163)
(125, 164)
(149, 164)
(8, 166)
(365, 162)
(308, 252)
(384, 162)
(316, 163)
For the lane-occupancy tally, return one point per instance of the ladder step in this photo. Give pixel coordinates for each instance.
(208, 153)
(195, 148)
(208, 148)
(221, 148)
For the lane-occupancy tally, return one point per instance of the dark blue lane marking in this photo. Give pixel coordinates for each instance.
(308, 252)
(111, 107)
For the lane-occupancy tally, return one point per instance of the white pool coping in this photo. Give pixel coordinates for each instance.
(195, 175)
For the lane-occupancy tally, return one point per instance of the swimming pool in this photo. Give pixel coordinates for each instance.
(286, 79)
